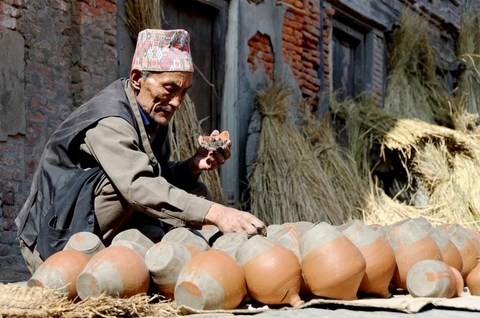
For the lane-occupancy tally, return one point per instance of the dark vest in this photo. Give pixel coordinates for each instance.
(61, 186)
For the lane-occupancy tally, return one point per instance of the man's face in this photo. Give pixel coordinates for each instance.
(161, 94)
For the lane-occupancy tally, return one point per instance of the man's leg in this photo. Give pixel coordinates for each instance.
(111, 210)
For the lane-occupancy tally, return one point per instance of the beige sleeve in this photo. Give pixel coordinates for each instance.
(114, 143)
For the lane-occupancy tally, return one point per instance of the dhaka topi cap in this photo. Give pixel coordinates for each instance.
(163, 51)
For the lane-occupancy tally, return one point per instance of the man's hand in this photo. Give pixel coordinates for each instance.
(205, 159)
(232, 220)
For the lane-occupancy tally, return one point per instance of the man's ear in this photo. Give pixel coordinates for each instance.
(135, 77)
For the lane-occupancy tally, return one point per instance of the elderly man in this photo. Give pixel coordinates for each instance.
(107, 168)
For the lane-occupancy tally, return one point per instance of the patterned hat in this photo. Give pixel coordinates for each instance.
(163, 51)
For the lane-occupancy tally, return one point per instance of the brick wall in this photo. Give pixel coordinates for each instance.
(261, 54)
(70, 55)
(305, 24)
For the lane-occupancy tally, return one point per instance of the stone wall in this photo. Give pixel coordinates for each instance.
(70, 53)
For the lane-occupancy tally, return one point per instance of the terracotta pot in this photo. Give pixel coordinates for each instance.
(193, 242)
(473, 280)
(332, 265)
(117, 271)
(210, 280)
(229, 243)
(287, 237)
(272, 272)
(431, 278)
(165, 260)
(210, 233)
(85, 242)
(300, 226)
(460, 281)
(476, 238)
(272, 228)
(140, 249)
(379, 257)
(60, 272)
(134, 235)
(465, 244)
(411, 243)
(450, 253)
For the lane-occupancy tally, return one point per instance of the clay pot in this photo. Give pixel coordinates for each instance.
(473, 280)
(193, 242)
(272, 228)
(299, 226)
(134, 235)
(60, 272)
(229, 243)
(210, 233)
(140, 249)
(460, 281)
(411, 244)
(432, 278)
(379, 257)
(332, 265)
(85, 242)
(465, 244)
(210, 280)
(272, 272)
(450, 253)
(117, 271)
(165, 260)
(287, 237)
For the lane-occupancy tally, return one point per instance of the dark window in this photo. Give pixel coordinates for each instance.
(348, 67)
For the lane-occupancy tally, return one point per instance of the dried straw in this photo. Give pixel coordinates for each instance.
(413, 90)
(22, 301)
(442, 164)
(142, 14)
(340, 169)
(383, 210)
(468, 50)
(287, 183)
(451, 180)
(183, 137)
(465, 100)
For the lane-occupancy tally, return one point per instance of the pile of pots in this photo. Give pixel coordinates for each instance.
(292, 263)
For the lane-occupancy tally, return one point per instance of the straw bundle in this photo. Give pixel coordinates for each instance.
(451, 179)
(340, 169)
(468, 50)
(23, 301)
(183, 137)
(441, 164)
(287, 183)
(142, 14)
(465, 100)
(413, 89)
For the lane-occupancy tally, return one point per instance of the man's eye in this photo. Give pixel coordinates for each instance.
(170, 89)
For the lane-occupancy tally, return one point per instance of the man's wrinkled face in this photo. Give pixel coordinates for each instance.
(161, 94)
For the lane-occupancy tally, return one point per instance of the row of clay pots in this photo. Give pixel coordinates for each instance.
(298, 258)
(416, 240)
(86, 268)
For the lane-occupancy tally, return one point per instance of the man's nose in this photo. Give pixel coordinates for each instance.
(176, 101)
